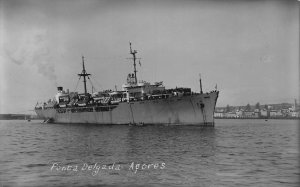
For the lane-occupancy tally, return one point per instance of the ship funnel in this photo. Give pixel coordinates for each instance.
(60, 88)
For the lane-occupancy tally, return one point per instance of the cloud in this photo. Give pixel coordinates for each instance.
(32, 48)
(266, 59)
(12, 57)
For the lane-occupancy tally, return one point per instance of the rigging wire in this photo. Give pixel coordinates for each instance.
(107, 58)
(92, 84)
(96, 82)
(77, 84)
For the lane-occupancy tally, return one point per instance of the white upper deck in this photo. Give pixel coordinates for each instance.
(141, 87)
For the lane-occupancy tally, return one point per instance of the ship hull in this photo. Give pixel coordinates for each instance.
(195, 109)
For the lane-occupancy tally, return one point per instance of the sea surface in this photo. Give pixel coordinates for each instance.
(233, 153)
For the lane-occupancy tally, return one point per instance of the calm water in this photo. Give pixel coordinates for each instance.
(233, 153)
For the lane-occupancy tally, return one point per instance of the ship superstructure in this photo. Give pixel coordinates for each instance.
(139, 102)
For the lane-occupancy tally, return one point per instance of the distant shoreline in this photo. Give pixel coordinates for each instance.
(20, 119)
(257, 118)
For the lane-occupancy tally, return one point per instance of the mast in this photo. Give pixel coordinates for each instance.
(200, 84)
(84, 74)
(133, 52)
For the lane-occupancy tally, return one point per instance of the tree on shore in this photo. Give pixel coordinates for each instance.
(227, 108)
(248, 107)
(257, 106)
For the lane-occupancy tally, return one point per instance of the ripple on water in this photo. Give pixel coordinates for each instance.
(234, 153)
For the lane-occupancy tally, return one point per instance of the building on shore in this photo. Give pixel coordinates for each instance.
(264, 113)
(279, 111)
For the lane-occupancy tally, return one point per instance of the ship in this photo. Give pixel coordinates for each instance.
(137, 103)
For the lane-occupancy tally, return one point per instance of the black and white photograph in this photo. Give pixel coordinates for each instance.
(152, 93)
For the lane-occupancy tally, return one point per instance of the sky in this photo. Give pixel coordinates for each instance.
(249, 49)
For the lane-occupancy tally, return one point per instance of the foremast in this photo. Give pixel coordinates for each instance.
(84, 74)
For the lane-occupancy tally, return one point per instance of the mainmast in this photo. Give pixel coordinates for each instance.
(200, 84)
(84, 74)
(133, 52)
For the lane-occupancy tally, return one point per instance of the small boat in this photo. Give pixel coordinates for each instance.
(28, 119)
